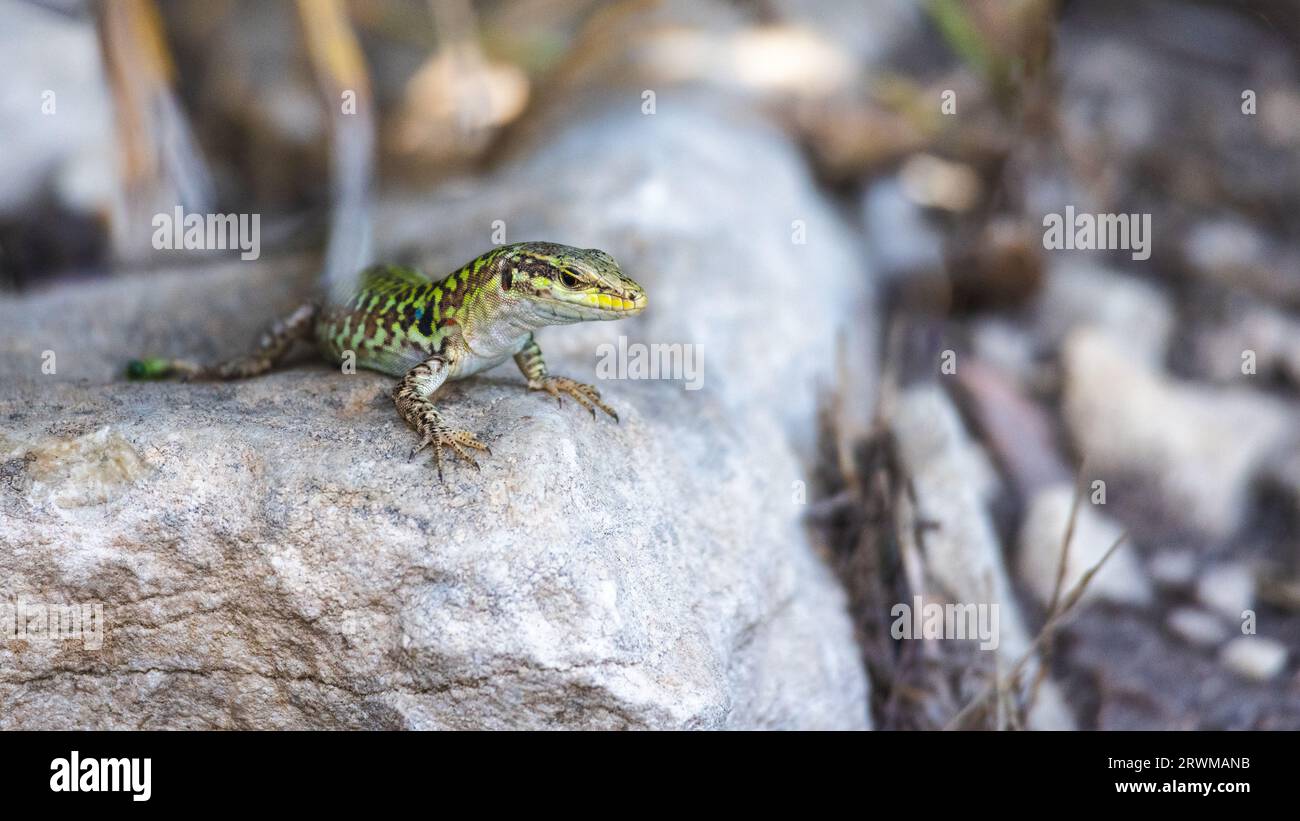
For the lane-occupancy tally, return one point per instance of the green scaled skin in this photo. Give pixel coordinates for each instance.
(403, 324)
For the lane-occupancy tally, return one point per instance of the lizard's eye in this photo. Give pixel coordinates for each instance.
(568, 280)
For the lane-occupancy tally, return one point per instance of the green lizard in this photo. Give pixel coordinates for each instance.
(403, 324)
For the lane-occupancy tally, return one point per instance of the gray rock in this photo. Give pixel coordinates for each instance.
(902, 241)
(1197, 626)
(1120, 579)
(1173, 568)
(961, 549)
(1197, 447)
(1227, 589)
(1010, 348)
(1230, 251)
(1254, 657)
(1078, 294)
(266, 556)
(1271, 335)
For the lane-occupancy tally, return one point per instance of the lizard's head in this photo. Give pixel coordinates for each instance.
(560, 284)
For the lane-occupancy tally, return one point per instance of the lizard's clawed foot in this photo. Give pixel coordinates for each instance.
(586, 395)
(433, 432)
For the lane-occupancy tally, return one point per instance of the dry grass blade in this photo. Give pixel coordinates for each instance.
(1076, 593)
(1068, 540)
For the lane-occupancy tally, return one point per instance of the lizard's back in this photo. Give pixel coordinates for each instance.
(397, 318)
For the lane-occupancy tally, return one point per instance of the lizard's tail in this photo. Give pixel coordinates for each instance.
(275, 344)
(157, 367)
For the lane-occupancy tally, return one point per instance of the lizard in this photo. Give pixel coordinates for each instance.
(400, 322)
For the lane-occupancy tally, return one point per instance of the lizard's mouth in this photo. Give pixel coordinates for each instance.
(583, 307)
(617, 305)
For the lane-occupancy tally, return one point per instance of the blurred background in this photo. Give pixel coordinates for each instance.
(944, 131)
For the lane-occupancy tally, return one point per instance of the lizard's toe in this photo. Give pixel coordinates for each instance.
(585, 395)
(460, 442)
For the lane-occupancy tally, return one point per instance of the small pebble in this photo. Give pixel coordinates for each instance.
(1122, 579)
(1227, 589)
(1197, 626)
(1254, 657)
(1173, 568)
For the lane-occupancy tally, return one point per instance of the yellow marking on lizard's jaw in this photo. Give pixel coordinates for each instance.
(609, 302)
(602, 301)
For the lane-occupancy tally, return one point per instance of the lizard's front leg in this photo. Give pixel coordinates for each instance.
(529, 359)
(414, 399)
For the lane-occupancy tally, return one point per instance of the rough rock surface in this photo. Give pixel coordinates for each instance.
(266, 556)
